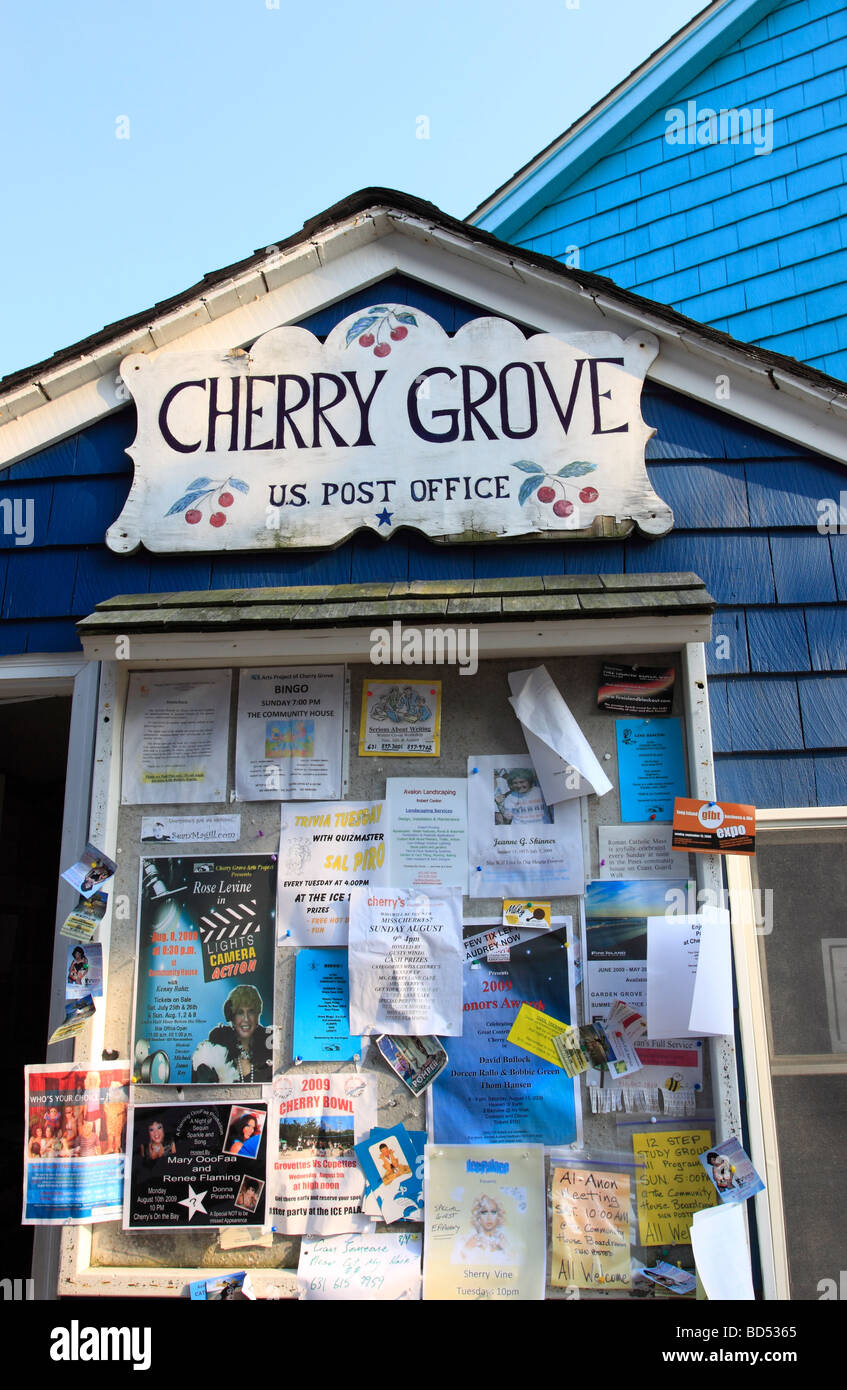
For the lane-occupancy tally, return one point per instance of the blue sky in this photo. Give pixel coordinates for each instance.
(244, 119)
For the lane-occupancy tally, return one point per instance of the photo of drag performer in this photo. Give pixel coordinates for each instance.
(244, 1133)
(488, 1239)
(78, 968)
(239, 1050)
(157, 1144)
(249, 1194)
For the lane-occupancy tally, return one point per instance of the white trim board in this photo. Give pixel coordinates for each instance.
(581, 637)
(39, 676)
(367, 248)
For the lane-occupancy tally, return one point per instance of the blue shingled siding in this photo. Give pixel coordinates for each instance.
(746, 511)
(754, 244)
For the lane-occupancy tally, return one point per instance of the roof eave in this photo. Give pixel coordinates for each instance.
(686, 54)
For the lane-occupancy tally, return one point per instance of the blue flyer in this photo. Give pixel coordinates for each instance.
(321, 999)
(651, 768)
(390, 1161)
(492, 1092)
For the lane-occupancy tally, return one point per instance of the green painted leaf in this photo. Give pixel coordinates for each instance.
(527, 467)
(528, 487)
(359, 327)
(576, 470)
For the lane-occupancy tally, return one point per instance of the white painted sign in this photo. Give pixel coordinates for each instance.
(389, 423)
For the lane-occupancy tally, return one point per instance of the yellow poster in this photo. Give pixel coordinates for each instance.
(590, 1229)
(673, 1186)
(400, 720)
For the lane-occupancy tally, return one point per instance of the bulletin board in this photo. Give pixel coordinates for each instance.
(476, 721)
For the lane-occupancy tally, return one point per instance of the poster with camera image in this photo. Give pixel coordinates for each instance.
(205, 970)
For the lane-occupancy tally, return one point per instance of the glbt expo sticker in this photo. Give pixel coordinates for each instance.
(713, 827)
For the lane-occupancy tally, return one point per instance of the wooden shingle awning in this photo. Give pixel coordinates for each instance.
(570, 596)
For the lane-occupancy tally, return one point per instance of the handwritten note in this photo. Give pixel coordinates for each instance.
(356, 1267)
(673, 1185)
(590, 1229)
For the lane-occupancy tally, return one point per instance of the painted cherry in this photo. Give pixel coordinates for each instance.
(399, 333)
(381, 350)
(217, 519)
(366, 340)
(192, 516)
(226, 499)
(562, 507)
(589, 494)
(546, 494)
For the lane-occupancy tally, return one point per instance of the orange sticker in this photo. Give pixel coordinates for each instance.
(713, 827)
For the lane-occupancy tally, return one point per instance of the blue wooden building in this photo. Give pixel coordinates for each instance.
(711, 179)
(749, 453)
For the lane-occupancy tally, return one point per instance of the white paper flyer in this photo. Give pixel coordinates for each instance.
(518, 845)
(406, 958)
(381, 1265)
(176, 737)
(289, 734)
(428, 831)
(562, 756)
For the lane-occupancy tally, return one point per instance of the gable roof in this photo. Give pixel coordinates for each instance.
(685, 54)
(375, 233)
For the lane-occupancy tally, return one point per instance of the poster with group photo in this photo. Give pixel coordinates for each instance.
(196, 1165)
(75, 1143)
(326, 849)
(205, 970)
(289, 734)
(176, 737)
(517, 844)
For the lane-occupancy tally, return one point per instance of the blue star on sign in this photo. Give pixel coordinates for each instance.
(384, 517)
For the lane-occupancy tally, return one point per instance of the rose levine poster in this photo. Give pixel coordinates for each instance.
(205, 970)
